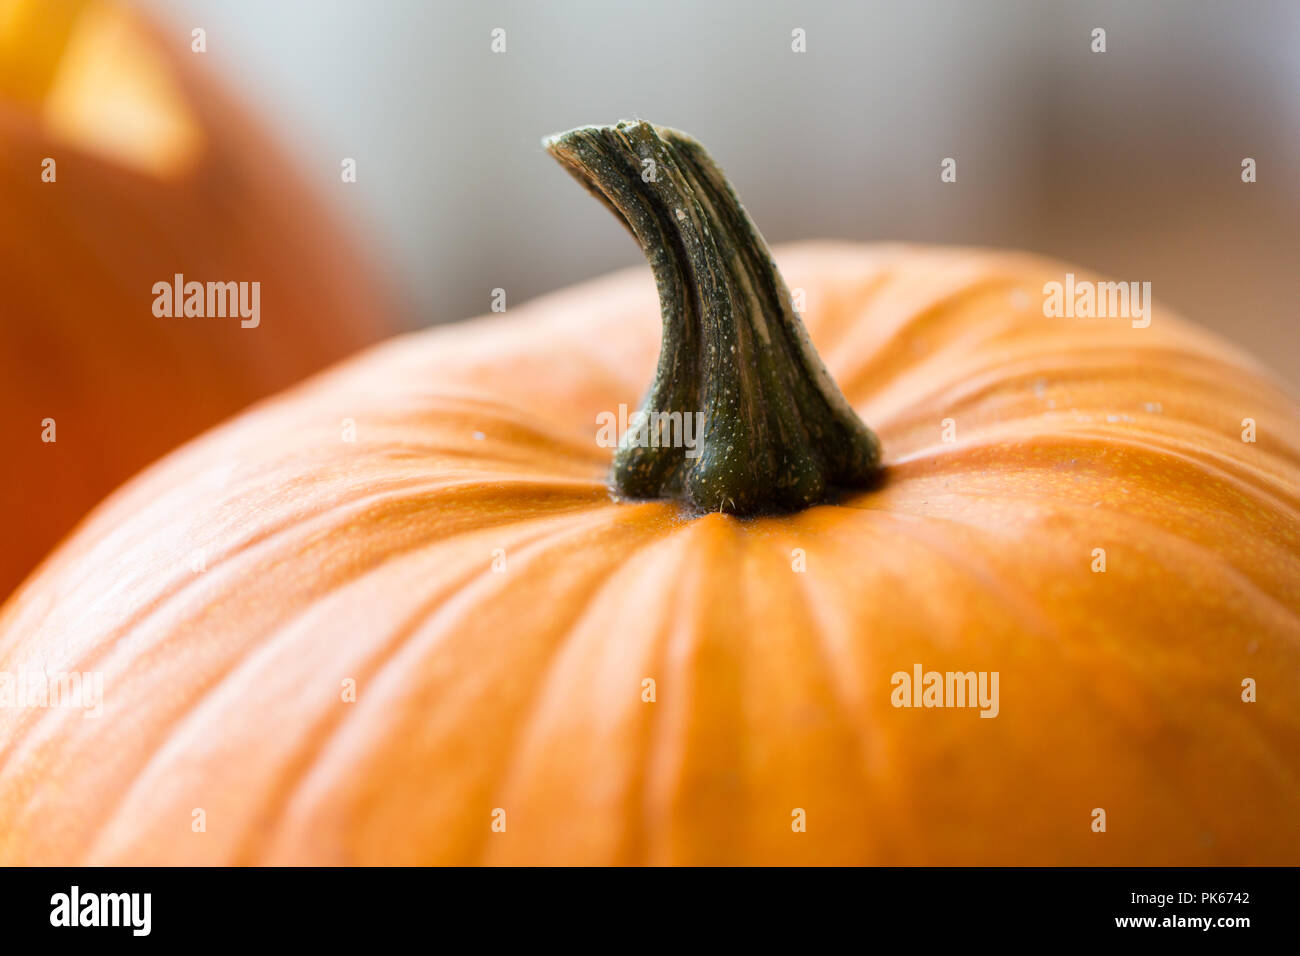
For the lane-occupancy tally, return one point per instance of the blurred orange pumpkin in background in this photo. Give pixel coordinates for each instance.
(156, 171)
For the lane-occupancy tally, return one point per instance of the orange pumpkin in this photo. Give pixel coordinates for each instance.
(444, 641)
(152, 171)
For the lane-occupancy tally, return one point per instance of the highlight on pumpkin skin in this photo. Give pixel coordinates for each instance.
(778, 435)
(97, 83)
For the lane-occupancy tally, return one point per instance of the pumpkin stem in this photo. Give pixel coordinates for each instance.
(774, 431)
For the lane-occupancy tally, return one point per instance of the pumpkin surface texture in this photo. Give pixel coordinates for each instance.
(424, 631)
(156, 173)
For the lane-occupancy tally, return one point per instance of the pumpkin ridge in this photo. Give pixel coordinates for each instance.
(264, 647)
(895, 353)
(706, 717)
(433, 630)
(636, 845)
(284, 794)
(109, 645)
(1029, 613)
(849, 702)
(1025, 366)
(506, 781)
(1156, 691)
(1261, 484)
(543, 435)
(1267, 594)
(295, 523)
(1272, 597)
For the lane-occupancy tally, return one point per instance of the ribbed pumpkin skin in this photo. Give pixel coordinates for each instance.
(521, 689)
(79, 342)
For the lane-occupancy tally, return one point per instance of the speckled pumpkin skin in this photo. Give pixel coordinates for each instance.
(521, 688)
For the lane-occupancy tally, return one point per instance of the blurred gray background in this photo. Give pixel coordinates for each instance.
(1127, 162)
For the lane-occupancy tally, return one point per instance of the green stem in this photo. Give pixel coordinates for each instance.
(778, 434)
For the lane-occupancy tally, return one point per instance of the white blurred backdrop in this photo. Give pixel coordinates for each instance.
(1127, 162)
